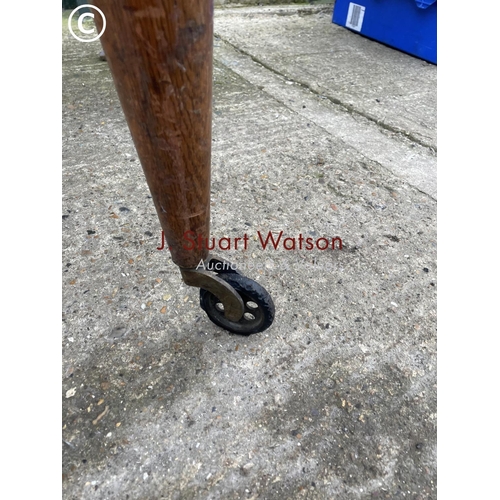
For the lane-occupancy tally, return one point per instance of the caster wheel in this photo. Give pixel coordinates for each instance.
(259, 306)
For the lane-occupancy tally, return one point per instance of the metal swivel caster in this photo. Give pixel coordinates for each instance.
(258, 312)
(232, 301)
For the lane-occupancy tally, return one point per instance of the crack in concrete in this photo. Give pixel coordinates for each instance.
(319, 125)
(347, 107)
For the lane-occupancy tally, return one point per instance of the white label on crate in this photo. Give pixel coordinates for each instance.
(355, 16)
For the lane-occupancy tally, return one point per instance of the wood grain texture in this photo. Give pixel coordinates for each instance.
(160, 56)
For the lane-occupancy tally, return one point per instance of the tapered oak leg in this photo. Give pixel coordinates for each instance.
(160, 56)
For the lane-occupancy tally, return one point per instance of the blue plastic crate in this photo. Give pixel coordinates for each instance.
(407, 25)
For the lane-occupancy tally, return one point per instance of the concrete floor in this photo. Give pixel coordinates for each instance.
(316, 131)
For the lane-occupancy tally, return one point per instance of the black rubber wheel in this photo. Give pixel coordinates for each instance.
(259, 306)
